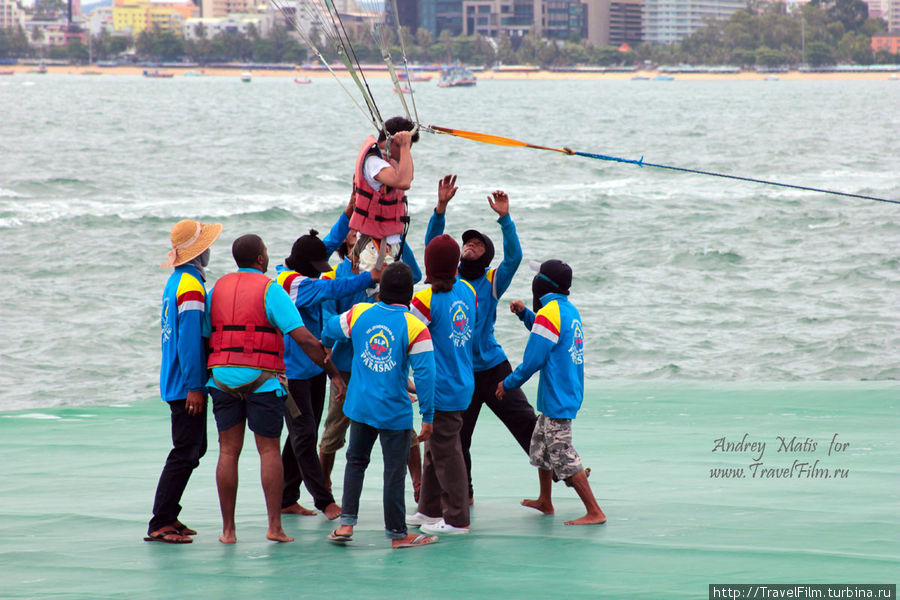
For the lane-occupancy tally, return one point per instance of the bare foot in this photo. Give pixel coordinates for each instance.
(332, 511)
(296, 509)
(589, 519)
(539, 504)
(278, 536)
(228, 537)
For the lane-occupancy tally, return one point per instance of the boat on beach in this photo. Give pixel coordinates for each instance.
(7, 72)
(157, 74)
(302, 80)
(456, 76)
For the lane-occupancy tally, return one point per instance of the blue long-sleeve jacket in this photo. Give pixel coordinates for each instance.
(342, 352)
(338, 234)
(183, 366)
(308, 295)
(555, 348)
(387, 340)
(488, 353)
(451, 319)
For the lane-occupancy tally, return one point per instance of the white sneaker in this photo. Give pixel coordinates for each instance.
(442, 528)
(420, 519)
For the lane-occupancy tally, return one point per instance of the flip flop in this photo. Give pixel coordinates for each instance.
(339, 538)
(166, 537)
(183, 529)
(419, 540)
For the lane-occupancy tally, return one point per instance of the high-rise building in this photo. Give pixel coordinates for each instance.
(667, 21)
(491, 18)
(441, 15)
(614, 22)
(892, 15)
(560, 19)
(11, 15)
(408, 13)
(876, 8)
(220, 8)
(137, 15)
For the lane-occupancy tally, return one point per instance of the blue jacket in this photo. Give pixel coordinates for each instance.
(488, 289)
(342, 353)
(183, 366)
(451, 319)
(556, 348)
(308, 295)
(387, 341)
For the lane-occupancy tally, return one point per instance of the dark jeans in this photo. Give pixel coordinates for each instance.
(395, 455)
(513, 411)
(444, 485)
(299, 457)
(188, 445)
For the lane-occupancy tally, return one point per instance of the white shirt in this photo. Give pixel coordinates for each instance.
(372, 166)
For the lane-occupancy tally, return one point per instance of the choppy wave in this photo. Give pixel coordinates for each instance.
(677, 276)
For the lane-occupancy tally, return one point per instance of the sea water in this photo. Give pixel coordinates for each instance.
(676, 276)
(712, 309)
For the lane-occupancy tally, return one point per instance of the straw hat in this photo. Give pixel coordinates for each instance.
(189, 240)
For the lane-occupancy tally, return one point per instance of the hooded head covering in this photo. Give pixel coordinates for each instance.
(554, 276)
(396, 284)
(308, 255)
(470, 269)
(441, 258)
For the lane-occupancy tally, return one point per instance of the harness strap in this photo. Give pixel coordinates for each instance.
(241, 349)
(260, 328)
(242, 391)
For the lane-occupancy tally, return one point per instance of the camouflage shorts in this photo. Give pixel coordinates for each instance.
(552, 449)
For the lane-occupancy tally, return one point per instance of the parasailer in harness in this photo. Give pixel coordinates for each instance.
(383, 173)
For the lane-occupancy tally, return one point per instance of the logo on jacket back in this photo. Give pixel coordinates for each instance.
(164, 322)
(460, 329)
(377, 352)
(576, 350)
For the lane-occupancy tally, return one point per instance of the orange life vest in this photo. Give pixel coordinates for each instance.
(242, 335)
(377, 214)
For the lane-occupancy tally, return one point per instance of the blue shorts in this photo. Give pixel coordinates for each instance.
(263, 412)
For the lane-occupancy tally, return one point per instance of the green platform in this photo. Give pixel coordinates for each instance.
(78, 483)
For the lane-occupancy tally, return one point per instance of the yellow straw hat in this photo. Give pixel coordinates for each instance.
(189, 240)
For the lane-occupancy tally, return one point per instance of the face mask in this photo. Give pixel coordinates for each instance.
(541, 286)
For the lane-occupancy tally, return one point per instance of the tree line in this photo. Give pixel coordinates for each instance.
(819, 33)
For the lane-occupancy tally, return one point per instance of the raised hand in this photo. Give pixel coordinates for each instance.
(446, 190)
(499, 202)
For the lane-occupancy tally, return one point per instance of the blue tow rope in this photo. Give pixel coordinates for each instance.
(641, 163)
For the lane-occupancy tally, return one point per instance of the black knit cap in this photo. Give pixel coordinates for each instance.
(308, 255)
(396, 284)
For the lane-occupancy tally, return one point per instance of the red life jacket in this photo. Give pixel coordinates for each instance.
(242, 335)
(377, 214)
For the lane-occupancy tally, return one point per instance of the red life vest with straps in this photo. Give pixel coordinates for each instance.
(377, 214)
(242, 335)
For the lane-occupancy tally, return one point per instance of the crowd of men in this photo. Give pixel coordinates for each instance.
(263, 351)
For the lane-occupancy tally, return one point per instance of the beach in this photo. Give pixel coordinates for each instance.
(500, 75)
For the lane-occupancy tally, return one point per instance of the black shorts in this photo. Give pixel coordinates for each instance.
(264, 412)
